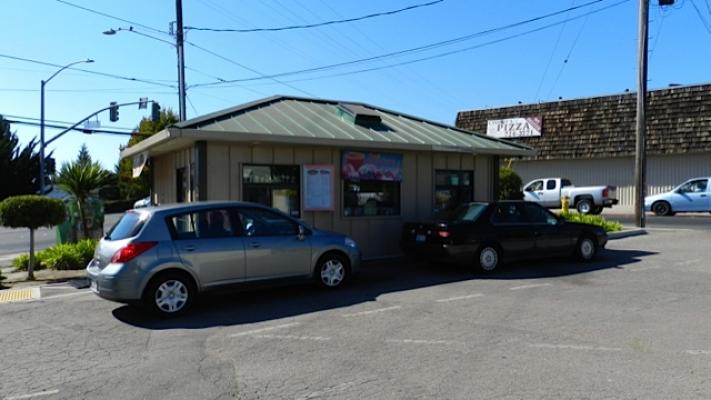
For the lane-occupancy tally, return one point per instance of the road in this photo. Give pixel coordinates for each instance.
(630, 325)
(679, 221)
(14, 241)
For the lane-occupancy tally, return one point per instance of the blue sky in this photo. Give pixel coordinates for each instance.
(600, 49)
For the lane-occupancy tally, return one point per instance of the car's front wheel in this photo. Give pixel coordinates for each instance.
(661, 208)
(332, 271)
(488, 257)
(586, 248)
(169, 294)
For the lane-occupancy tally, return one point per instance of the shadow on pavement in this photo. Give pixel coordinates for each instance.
(375, 279)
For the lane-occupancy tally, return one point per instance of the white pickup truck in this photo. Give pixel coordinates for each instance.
(587, 200)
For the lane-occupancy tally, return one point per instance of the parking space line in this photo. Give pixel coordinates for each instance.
(535, 285)
(573, 347)
(267, 329)
(470, 296)
(688, 262)
(699, 352)
(642, 269)
(31, 395)
(292, 337)
(420, 341)
(368, 312)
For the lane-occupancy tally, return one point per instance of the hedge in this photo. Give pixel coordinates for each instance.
(66, 256)
(608, 226)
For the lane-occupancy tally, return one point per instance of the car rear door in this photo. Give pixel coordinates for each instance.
(551, 194)
(208, 241)
(273, 246)
(513, 234)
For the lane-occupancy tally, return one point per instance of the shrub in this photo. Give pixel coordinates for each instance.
(509, 184)
(67, 256)
(608, 226)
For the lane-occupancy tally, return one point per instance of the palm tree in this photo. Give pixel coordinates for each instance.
(81, 179)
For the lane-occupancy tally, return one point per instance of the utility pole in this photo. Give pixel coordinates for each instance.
(181, 58)
(640, 156)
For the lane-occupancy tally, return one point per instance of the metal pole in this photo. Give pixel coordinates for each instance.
(41, 160)
(640, 148)
(181, 58)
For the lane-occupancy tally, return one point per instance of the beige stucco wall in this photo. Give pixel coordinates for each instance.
(377, 236)
(663, 172)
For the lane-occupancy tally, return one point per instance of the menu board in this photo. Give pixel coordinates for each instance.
(318, 187)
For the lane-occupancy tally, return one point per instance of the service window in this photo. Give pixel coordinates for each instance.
(273, 186)
(371, 183)
(202, 224)
(452, 188)
(258, 222)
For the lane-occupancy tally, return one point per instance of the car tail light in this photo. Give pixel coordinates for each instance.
(131, 251)
(605, 192)
(443, 234)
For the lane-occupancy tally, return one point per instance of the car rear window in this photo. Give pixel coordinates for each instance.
(467, 212)
(128, 226)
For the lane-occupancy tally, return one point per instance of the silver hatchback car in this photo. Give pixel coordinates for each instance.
(162, 257)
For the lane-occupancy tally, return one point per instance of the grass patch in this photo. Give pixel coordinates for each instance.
(608, 226)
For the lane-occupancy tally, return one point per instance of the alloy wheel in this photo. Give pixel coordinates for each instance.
(488, 258)
(332, 272)
(171, 296)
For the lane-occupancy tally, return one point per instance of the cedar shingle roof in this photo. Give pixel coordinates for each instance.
(678, 121)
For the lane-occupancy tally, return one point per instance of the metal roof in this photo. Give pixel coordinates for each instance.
(322, 122)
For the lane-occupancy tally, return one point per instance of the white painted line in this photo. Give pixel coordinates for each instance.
(535, 285)
(379, 310)
(292, 337)
(271, 328)
(59, 296)
(641, 269)
(31, 395)
(668, 229)
(573, 347)
(470, 296)
(682, 263)
(420, 341)
(699, 352)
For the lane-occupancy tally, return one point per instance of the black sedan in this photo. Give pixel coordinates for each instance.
(485, 234)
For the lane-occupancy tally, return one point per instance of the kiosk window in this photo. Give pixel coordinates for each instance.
(452, 188)
(371, 198)
(274, 186)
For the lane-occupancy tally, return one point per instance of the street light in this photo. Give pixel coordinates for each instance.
(44, 82)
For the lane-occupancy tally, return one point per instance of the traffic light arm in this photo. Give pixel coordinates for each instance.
(71, 128)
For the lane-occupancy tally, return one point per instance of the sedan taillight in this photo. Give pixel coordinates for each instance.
(443, 234)
(131, 251)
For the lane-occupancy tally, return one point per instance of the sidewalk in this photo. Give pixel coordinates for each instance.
(43, 277)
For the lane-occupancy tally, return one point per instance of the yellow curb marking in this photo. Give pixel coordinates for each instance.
(19, 294)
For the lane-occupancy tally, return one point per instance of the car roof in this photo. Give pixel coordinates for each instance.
(198, 205)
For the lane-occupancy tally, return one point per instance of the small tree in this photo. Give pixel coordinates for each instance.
(509, 184)
(32, 212)
(81, 180)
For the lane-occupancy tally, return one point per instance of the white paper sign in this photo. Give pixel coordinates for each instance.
(514, 127)
(139, 161)
(318, 187)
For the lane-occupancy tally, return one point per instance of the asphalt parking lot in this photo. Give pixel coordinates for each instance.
(631, 325)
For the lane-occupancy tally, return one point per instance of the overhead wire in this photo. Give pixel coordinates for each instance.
(413, 49)
(104, 74)
(706, 24)
(318, 24)
(461, 50)
(550, 58)
(567, 56)
(113, 17)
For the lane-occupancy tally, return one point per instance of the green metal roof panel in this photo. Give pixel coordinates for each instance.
(322, 119)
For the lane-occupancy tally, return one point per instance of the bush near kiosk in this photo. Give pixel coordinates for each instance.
(608, 226)
(66, 256)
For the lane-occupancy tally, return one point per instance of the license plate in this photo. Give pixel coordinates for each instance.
(420, 238)
(93, 287)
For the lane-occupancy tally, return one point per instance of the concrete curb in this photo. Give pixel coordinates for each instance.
(626, 233)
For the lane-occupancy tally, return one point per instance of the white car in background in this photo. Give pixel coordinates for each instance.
(144, 202)
(693, 195)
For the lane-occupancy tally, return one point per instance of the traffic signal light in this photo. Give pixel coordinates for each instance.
(155, 111)
(113, 111)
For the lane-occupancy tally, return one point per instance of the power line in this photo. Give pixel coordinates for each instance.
(406, 51)
(99, 90)
(104, 74)
(567, 57)
(220, 56)
(701, 17)
(550, 59)
(112, 17)
(315, 25)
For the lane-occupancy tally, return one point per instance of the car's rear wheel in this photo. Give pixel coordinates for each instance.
(169, 294)
(662, 208)
(332, 271)
(488, 257)
(586, 248)
(597, 210)
(584, 206)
